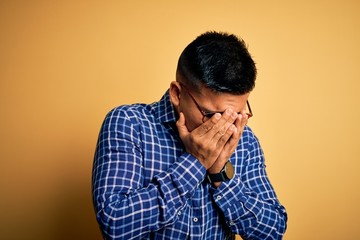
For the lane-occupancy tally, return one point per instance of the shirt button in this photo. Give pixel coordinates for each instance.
(195, 219)
(179, 213)
(231, 223)
(218, 197)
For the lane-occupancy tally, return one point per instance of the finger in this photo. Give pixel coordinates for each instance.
(223, 140)
(208, 125)
(232, 142)
(222, 129)
(244, 119)
(182, 129)
(240, 124)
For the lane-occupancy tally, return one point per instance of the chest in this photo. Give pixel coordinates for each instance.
(161, 147)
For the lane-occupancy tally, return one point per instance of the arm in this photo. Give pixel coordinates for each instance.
(125, 208)
(248, 201)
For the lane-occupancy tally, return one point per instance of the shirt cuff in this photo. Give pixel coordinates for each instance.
(188, 174)
(236, 201)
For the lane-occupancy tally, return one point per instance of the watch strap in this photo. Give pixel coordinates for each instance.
(226, 173)
(217, 177)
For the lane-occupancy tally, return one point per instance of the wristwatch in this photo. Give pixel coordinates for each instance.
(225, 174)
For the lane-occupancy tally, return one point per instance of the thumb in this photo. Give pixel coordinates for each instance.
(180, 124)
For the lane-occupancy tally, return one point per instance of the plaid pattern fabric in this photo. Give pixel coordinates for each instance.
(145, 186)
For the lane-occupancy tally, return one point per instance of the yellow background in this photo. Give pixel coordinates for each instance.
(65, 64)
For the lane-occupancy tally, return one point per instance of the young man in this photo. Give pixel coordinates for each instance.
(188, 166)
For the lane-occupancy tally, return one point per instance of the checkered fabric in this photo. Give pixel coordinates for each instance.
(145, 186)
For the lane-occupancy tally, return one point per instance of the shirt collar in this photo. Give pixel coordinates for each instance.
(165, 110)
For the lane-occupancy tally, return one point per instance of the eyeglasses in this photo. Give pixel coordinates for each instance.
(207, 114)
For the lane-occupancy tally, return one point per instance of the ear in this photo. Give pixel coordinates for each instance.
(175, 90)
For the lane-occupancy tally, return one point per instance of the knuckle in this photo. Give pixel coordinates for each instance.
(221, 132)
(221, 141)
(215, 127)
(205, 127)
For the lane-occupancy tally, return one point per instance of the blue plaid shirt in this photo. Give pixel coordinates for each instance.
(145, 186)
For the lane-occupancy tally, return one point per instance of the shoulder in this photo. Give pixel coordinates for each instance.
(133, 113)
(249, 136)
(125, 122)
(249, 141)
(126, 119)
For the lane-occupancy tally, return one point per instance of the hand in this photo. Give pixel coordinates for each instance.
(230, 146)
(207, 141)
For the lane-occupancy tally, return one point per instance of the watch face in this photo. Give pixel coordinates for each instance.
(229, 168)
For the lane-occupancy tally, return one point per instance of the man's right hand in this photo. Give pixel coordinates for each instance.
(208, 140)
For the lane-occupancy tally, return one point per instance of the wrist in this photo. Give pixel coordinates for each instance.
(215, 169)
(225, 174)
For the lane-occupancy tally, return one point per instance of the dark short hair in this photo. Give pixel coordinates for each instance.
(219, 61)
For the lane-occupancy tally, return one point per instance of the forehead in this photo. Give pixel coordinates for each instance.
(219, 102)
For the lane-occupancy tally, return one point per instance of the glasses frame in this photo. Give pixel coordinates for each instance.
(209, 114)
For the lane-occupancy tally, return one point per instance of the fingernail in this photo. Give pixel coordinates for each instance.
(228, 111)
(217, 115)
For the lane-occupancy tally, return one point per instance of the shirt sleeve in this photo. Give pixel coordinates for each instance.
(248, 201)
(125, 208)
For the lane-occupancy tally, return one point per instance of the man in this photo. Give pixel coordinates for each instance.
(188, 166)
